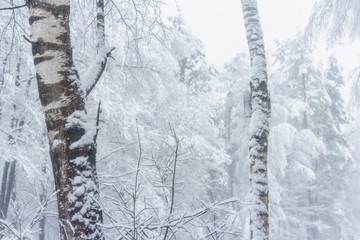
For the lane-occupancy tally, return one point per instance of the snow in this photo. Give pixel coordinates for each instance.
(95, 67)
(56, 143)
(282, 137)
(77, 180)
(308, 171)
(79, 191)
(259, 125)
(80, 119)
(79, 161)
(304, 165)
(84, 190)
(306, 141)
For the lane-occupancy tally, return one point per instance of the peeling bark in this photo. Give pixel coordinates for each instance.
(259, 126)
(62, 96)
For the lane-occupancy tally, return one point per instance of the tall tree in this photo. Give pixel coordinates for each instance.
(70, 133)
(319, 153)
(299, 81)
(259, 125)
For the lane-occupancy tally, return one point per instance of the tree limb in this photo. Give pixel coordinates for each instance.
(97, 121)
(177, 143)
(95, 70)
(29, 40)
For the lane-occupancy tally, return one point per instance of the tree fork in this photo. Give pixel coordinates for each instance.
(73, 154)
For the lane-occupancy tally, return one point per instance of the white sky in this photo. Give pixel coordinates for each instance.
(219, 25)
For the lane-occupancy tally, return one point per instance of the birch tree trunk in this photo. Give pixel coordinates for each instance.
(259, 126)
(100, 25)
(70, 133)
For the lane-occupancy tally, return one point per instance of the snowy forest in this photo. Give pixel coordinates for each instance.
(114, 124)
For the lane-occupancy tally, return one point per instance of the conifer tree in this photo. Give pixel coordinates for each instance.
(317, 108)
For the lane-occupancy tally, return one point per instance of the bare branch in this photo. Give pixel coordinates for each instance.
(13, 8)
(136, 182)
(177, 142)
(29, 40)
(97, 121)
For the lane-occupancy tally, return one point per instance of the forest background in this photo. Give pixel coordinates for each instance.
(172, 143)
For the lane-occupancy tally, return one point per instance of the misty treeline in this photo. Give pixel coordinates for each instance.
(149, 141)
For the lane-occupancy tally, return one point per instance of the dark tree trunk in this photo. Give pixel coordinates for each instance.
(3, 189)
(10, 187)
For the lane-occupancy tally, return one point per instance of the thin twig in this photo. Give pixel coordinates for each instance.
(136, 180)
(30, 41)
(12, 8)
(97, 121)
(173, 175)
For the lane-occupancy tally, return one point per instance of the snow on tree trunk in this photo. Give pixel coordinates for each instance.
(259, 126)
(70, 133)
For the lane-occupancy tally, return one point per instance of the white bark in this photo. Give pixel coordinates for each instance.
(259, 126)
(71, 135)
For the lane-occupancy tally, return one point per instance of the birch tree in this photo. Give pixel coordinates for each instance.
(259, 125)
(71, 135)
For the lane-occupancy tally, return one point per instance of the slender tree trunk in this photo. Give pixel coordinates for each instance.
(8, 181)
(100, 25)
(259, 126)
(42, 222)
(70, 133)
(305, 120)
(2, 194)
(3, 188)
(311, 229)
(182, 64)
(176, 155)
(9, 187)
(2, 81)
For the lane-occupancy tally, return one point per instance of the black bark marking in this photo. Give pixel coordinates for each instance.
(38, 60)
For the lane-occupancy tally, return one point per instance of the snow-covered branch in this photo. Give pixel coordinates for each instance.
(95, 70)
